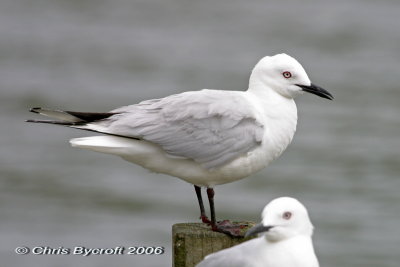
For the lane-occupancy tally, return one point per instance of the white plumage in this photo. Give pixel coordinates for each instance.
(285, 241)
(206, 137)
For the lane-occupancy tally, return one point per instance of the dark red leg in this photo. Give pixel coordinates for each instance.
(224, 226)
(203, 216)
(210, 194)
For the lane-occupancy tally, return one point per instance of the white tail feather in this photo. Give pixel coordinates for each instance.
(120, 146)
(101, 142)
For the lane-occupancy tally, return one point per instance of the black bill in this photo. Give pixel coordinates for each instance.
(316, 90)
(259, 228)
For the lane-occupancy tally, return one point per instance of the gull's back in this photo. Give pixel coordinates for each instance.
(258, 252)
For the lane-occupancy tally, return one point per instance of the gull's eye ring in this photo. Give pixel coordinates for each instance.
(287, 215)
(287, 74)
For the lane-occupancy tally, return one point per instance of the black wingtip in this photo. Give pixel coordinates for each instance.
(52, 122)
(36, 121)
(35, 110)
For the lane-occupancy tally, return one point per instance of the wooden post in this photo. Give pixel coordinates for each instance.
(191, 242)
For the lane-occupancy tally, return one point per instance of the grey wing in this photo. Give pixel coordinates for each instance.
(211, 127)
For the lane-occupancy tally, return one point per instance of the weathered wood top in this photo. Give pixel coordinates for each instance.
(191, 242)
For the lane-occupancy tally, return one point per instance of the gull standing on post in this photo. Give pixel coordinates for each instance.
(285, 240)
(207, 137)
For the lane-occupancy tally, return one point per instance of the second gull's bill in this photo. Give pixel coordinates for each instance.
(207, 137)
(285, 240)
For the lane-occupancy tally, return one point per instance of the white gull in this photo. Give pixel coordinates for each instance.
(207, 137)
(285, 240)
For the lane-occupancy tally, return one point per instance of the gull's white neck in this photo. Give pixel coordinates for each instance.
(277, 113)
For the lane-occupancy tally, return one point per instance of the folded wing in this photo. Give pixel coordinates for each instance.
(208, 126)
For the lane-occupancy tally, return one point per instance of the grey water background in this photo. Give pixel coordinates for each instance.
(343, 164)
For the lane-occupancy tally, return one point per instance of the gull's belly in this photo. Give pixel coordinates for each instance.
(237, 169)
(155, 159)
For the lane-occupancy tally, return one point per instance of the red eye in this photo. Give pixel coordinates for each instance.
(287, 74)
(287, 215)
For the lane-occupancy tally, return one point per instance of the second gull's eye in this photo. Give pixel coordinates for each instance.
(287, 215)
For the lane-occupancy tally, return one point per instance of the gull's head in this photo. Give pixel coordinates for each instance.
(283, 218)
(284, 75)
